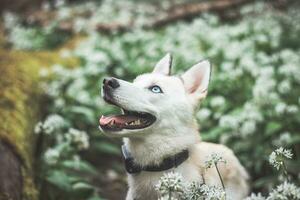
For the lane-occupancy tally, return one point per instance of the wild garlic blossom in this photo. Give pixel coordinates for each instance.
(194, 192)
(170, 184)
(52, 123)
(79, 138)
(255, 197)
(212, 192)
(285, 191)
(168, 198)
(276, 158)
(213, 160)
(172, 187)
(198, 191)
(51, 156)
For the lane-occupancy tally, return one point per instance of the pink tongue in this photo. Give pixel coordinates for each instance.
(119, 119)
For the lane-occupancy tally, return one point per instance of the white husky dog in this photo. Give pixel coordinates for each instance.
(161, 134)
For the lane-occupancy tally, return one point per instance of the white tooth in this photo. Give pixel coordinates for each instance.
(138, 122)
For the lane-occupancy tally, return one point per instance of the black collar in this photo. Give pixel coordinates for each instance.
(168, 163)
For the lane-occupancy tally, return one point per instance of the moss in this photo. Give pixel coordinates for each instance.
(19, 99)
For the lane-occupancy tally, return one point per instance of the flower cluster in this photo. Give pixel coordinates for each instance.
(285, 191)
(51, 156)
(253, 99)
(79, 138)
(212, 192)
(213, 160)
(52, 123)
(276, 158)
(255, 197)
(170, 184)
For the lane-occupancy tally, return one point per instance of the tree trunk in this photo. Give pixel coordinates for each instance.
(19, 111)
(11, 180)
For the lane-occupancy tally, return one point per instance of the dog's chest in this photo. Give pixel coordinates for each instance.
(142, 185)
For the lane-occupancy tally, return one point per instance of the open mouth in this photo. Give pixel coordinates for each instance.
(128, 120)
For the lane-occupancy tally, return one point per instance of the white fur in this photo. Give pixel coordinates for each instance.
(174, 130)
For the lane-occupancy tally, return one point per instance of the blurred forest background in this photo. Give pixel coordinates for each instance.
(54, 54)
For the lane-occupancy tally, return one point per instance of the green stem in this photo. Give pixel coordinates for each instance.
(223, 186)
(170, 194)
(284, 169)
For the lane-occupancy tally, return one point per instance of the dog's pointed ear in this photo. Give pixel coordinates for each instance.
(196, 80)
(164, 65)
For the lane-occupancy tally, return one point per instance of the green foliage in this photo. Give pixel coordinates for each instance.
(252, 104)
(33, 37)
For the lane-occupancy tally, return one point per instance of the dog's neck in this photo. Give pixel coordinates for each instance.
(157, 146)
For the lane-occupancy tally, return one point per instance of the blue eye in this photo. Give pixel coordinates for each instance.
(155, 89)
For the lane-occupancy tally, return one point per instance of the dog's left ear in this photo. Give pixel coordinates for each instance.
(164, 65)
(196, 80)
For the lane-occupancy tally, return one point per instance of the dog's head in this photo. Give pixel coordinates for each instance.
(155, 101)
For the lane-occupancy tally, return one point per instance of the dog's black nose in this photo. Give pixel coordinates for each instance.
(111, 82)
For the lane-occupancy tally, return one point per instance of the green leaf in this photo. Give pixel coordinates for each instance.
(95, 197)
(213, 135)
(60, 180)
(80, 165)
(105, 147)
(273, 128)
(86, 112)
(82, 186)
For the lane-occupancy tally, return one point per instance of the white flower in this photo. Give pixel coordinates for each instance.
(171, 181)
(79, 138)
(280, 108)
(10, 20)
(197, 191)
(53, 123)
(284, 87)
(59, 103)
(214, 159)
(46, 6)
(200, 191)
(263, 88)
(51, 156)
(251, 112)
(217, 101)
(59, 3)
(227, 66)
(284, 152)
(166, 197)
(276, 158)
(80, 24)
(285, 191)
(293, 109)
(248, 127)
(273, 160)
(203, 114)
(290, 70)
(38, 128)
(212, 192)
(229, 121)
(284, 139)
(255, 197)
